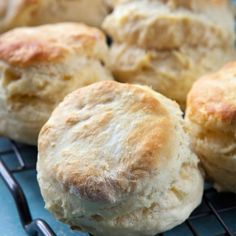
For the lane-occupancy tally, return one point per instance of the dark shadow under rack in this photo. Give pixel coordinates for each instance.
(38, 227)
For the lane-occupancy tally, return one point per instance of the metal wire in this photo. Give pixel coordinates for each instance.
(38, 227)
(220, 220)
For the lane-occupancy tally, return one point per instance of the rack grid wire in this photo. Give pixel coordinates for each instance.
(215, 206)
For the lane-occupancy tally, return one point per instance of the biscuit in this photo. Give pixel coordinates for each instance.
(169, 44)
(39, 66)
(211, 119)
(14, 13)
(114, 159)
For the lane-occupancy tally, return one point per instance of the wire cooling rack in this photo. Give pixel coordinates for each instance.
(216, 216)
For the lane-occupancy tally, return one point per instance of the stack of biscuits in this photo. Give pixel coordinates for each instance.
(168, 44)
(119, 157)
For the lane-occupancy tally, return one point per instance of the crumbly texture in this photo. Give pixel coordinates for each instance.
(39, 66)
(14, 13)
(169, 44)
(27, 46)
(211, 119)
(114, 159)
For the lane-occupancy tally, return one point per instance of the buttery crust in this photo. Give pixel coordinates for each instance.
(26, 46)
(105, 153)
(15, 13)
(211, 119)
(39, 66)
(212, 99)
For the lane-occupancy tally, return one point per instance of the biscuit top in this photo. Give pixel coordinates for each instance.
(114, 3)
(212, 99)
(23, 47)
(105, 141)
(170, 24)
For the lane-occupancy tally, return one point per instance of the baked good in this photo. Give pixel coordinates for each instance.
(174, 42)
(14, 13)
(39, 66)
(114, 159)
(211, 119)
(169, 72)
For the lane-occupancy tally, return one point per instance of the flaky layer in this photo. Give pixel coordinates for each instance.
(171, 73)
(114, 160)
(212, 100)
(166, 25)
(15, 13)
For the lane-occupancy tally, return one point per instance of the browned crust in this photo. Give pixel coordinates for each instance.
(145, 147)
(212, 99)
(25, 46)
(24, 53)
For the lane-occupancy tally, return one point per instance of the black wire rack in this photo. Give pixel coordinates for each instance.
(213, 207)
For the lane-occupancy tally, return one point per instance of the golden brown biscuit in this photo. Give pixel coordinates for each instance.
(211, 118)
(114, 159)
(39, 66)
(170, 44)
(15, 13)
